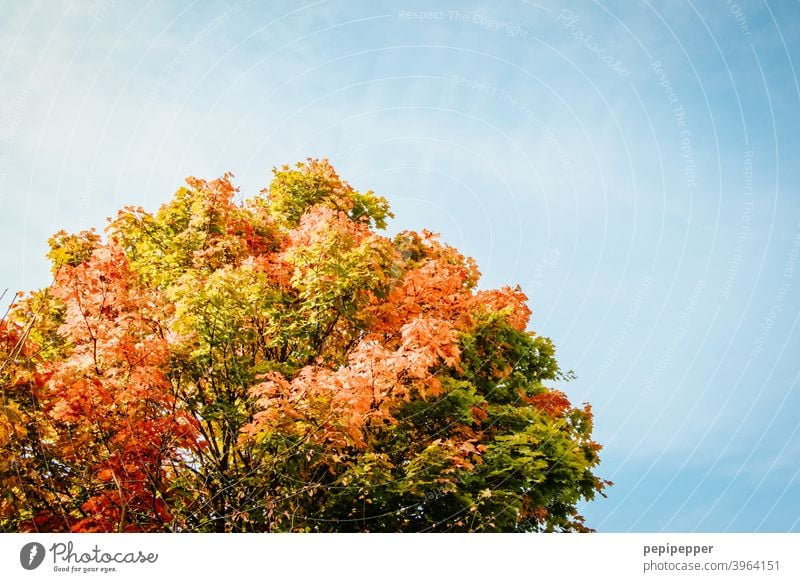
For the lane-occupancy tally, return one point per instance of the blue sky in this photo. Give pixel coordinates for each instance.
(632, 165)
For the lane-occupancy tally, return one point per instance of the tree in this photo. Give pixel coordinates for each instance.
(277, 364)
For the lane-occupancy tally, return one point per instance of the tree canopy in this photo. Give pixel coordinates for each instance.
(278, 364)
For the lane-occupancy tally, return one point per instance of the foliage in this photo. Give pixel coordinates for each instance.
(278, 365)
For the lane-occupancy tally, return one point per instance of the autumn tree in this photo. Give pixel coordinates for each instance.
(278, 364)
